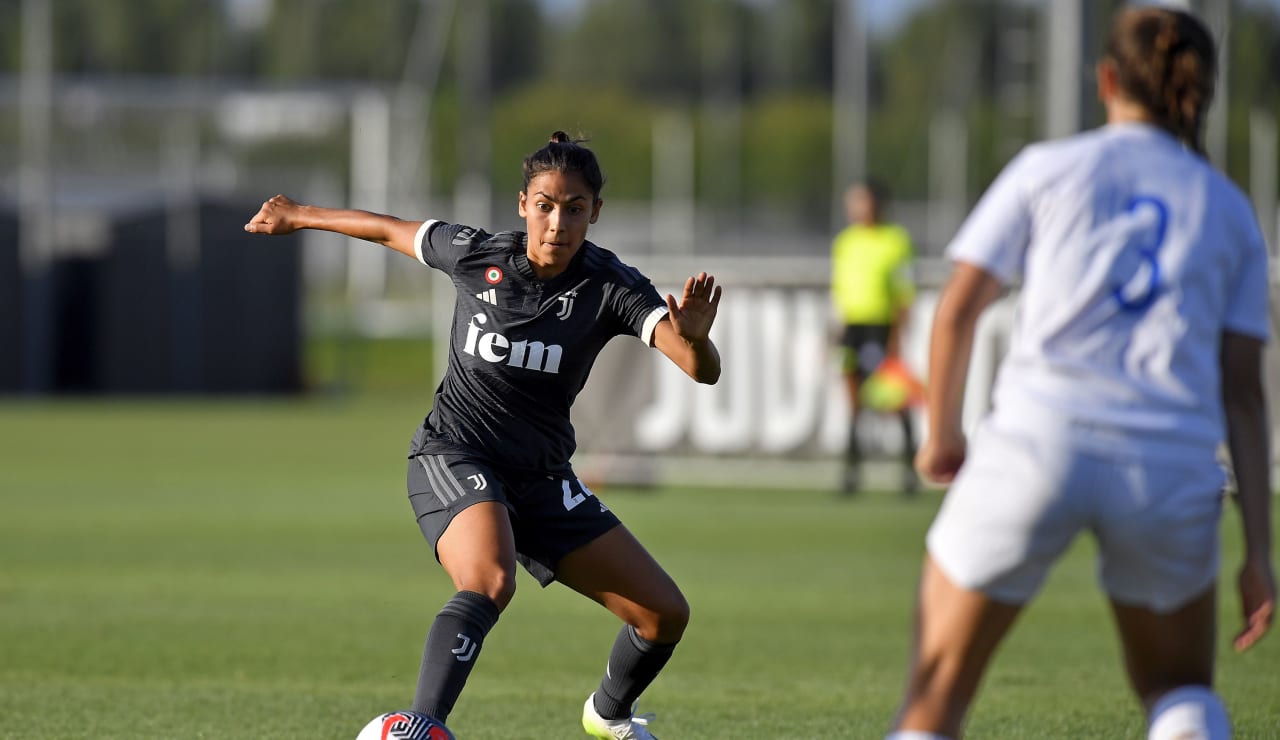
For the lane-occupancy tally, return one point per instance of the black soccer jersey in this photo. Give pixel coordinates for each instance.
(521, 348)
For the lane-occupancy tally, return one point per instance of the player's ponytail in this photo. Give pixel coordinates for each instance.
(563, 153)
(1166, 62)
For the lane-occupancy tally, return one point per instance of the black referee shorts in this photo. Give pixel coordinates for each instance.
(551, 515)
(865, 347)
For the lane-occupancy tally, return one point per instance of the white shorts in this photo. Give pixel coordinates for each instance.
(1022, 496)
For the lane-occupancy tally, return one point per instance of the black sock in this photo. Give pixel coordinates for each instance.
(853, 451)
(451, 650)
(908, 437)
(633, 665)
(852, 479)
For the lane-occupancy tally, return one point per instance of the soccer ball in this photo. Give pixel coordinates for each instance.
(404, 726)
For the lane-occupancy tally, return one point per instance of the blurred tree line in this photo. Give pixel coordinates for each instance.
(753, 78)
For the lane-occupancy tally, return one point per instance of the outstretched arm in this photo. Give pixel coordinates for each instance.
(683, 336)
(1245, 405)
(280, 215)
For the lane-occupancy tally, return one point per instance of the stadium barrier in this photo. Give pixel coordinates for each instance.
(10, 305)
(136, 316)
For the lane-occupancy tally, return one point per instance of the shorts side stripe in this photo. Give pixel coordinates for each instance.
(432, 480)
(441, 480)
(449, 483)
(439, 487)
(439, 483)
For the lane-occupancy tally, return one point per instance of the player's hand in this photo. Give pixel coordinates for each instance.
(941, 456)
(1257, 586)
(278, 215)
(694, 314)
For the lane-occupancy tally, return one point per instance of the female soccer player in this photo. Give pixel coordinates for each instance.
(1138, 348)
(489, 476)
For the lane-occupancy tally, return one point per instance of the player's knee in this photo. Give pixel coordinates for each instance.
(1189, 713)
(499, 584)
(502, 588)
(667, 623)
(676, 619)
(928, 676)
(936, 692)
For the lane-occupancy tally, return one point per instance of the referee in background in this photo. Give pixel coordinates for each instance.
(872, 289)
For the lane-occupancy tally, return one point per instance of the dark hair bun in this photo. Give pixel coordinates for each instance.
(563, 153)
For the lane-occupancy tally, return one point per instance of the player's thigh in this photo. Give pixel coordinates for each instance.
(615, 570)
(616, 564)
(957, 632)
(1012, 511)
(564, 533)
(461, 508)
(1165, 650)
(478, 551)
(618, 572)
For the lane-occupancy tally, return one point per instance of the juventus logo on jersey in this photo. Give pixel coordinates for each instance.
(489, 296)
(566, 304)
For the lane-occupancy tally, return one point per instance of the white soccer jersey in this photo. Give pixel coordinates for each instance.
(1135, 255)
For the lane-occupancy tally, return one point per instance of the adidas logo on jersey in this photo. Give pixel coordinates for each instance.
(489, 296)
(496, 348)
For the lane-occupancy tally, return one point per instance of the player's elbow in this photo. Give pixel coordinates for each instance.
(706, 375)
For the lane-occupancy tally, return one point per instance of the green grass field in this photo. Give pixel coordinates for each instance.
(251, 569)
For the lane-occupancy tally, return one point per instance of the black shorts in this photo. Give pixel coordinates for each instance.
(551, 515)
(865, 347)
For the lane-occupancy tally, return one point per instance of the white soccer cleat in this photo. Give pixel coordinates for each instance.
(632, 728)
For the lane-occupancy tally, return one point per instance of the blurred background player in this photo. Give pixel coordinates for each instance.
(1138, 349)
(489, 476)
(872, 289)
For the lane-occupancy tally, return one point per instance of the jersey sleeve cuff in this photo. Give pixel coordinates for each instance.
(421, 237)
(651, 324)
(1002, 273)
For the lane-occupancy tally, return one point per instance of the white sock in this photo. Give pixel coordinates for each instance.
(914, 735)
(1189, 713)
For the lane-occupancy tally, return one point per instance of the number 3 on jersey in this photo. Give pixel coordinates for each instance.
(1137, 291)
(572, 498)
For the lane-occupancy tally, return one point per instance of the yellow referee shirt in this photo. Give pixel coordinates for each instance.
(871, 277)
